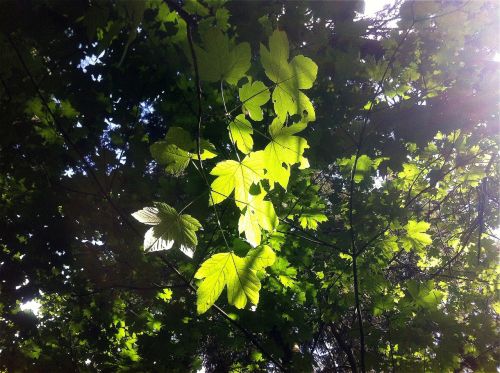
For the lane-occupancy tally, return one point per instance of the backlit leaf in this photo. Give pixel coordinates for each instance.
(238, 177)
(169, 228)
(416, 237)
(283, 151)
(259, 214)
(241, 133)
(253, 96)
(178, 149)
(236, 273)
(289, 77)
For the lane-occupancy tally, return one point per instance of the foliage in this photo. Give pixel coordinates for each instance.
(170, 228)
(336, 175)
(238, 274)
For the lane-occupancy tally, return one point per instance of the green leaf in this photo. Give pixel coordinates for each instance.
(290, 78)
(171, 156)
(238, 274)
(496, 307)
(222, 17)
(283, 151)
(253, 96)
(220, 59)
(67, 110)
(409, 174)
(180, 137)
(282, 267)
(261, 257)
(363, 166)
(416, 237)
(178, 149)
(390, 245)
(195, 7)
(259, 214)
(170, 228)
(237, 176)
(424, 294)
(175, 21)
(241, 133)
(165, 295)
(311, 218)
(207, 150)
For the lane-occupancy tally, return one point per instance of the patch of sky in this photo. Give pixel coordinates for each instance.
(372, 7)
(26, 282)
(151, 167)
(90, 61)
(32, 306)
(94, 242)
(69, 172)
(89, 160)
(378, 181)
(110, 126)
(106, 142)
(146, 108)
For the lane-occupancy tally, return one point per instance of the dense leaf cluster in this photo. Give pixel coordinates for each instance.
(249, 186)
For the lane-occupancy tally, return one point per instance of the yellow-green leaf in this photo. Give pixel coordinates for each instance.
(416, 237)
(178, 149)
(238, 177)
(253, 96)
(259, 214)
(241, 133)
(283, 151)
(236, 273)
(290, 78)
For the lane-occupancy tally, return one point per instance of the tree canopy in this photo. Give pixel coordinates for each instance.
(230, 186)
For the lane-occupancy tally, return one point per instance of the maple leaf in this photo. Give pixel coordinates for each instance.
(238, 177)
(290, 78)
(284, 150)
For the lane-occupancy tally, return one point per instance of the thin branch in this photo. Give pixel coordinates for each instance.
(249, 335)
(6, 89)
(128, 287)
(200, 115)
(352, 233)
(240, 327)
(347, 350)
(88, 167)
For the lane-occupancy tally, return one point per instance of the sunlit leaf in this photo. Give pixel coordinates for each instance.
(178, 149)
(238, 177)
(416, 236)
(284, 150)
(311, 218)
(236, 273)
(253, 96)
(241, 133)
(169, 228)
(290, 78)
(259, 214)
